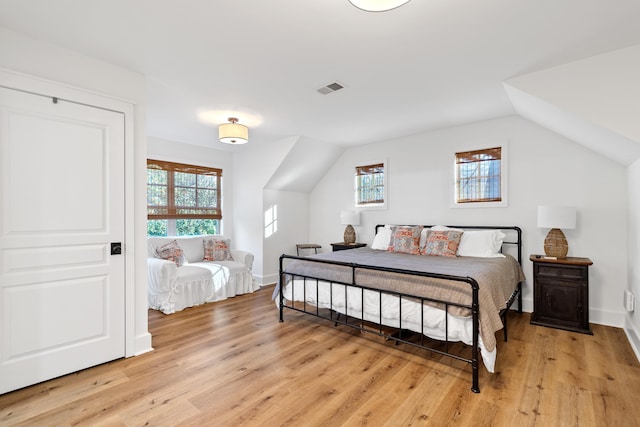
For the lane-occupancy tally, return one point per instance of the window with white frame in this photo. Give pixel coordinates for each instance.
(370, 185)
(182, 199)
(480, 177)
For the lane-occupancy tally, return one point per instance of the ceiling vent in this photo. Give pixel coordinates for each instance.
(331, 87)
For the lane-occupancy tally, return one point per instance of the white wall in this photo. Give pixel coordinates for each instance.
(173, 151)
(39, 59)
(253, 168)
(632, 323)
(544, 168)
(293, 228)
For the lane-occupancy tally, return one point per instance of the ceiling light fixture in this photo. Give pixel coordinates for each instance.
(233, 133)
(377, 5)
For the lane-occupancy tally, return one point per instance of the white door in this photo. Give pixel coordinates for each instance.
(62, 305)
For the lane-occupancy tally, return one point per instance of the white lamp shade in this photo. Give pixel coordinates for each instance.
(556, 217)
(233, 133)
(350, 218)
(377, 5)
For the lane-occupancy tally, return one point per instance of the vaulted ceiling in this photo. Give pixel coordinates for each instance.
(594, 101)
(426, 65)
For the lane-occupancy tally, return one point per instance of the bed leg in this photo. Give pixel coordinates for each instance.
(281, 292)
(475, 387)
(281, 307)
(520, 297)
(475, 315)
(506, 313)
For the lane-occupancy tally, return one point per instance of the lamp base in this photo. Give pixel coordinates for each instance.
(555, 244)
(349, 235)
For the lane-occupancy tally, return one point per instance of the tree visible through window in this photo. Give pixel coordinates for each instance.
(370, 185)
(182, 199)
(478, 176)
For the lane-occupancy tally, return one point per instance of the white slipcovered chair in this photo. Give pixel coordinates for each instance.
(172, 288)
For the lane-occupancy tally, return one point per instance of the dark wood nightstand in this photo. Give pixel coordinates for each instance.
(341, 246)
(561, 293)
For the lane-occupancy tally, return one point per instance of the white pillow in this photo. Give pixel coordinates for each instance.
(423, 237)
(481, 243)
(192, 246)
(381, 241)
(445, 228)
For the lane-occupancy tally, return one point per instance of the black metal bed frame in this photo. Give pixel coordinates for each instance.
(362, 325)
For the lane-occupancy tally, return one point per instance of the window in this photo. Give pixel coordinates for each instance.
(370, 185)
(479, 176)
(182, 199)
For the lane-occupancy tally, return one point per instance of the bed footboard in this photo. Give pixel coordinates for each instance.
(369, 323)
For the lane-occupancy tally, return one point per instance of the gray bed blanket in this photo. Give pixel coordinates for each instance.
(497, 279)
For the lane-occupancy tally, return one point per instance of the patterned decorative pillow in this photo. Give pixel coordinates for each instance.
(171, 252)
(217, 250)
(442, 243)
(405, 240)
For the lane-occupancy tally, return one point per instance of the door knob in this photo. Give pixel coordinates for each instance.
(116, 248)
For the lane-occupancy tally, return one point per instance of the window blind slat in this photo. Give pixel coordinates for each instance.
(479, 155)
(181, 167)
(370, 169)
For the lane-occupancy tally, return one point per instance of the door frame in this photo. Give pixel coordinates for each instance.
(35, 85)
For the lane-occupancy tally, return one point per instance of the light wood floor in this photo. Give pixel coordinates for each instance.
(232, 363)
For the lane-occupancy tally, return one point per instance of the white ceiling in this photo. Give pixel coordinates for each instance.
(593, 101)
(425, 65)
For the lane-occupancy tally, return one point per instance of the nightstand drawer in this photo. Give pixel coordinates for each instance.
(563, 272)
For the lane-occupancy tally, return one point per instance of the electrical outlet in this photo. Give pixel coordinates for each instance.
(629, 301)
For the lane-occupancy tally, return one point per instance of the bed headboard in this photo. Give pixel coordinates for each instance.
(513, 238)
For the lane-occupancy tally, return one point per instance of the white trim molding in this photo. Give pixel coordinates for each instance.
(633, 335)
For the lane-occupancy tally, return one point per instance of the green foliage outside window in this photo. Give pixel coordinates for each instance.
(194, 227)
(184, 227)
(157, 227)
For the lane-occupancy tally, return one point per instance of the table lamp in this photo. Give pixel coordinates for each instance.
(349, 218)
(555, 218)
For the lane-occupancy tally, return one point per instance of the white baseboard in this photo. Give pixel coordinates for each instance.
(607, 317)
(633, 335)
(269, 279)
(527, 305)
(143, 344)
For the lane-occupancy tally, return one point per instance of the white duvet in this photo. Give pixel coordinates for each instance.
(460, 328)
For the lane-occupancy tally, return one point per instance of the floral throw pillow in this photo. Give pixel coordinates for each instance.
(171, 252)
(217, 250)
(442, 243)
(405, 240)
